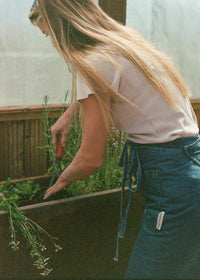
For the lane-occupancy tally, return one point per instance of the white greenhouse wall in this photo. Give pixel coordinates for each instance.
(174, 27)
(31, 68)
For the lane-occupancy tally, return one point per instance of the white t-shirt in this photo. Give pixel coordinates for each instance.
(152, 120)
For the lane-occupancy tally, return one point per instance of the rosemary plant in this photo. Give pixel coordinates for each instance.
(47, 124)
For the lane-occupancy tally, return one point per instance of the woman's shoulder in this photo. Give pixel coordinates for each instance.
(108, 59)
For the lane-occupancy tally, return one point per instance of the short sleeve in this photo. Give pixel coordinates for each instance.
(83, 90)
(109, 71)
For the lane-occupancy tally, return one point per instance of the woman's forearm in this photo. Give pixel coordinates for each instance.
(80, 168)
(72, 111)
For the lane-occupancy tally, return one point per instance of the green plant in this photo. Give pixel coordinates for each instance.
(47, 124)
(10, 194)
(107, 177)
(26, 190)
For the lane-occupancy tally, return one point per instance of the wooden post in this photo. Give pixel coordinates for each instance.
(115, 8)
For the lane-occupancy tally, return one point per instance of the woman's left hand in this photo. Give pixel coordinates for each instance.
(58, 186)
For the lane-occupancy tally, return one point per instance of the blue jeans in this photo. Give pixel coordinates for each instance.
(168, 177)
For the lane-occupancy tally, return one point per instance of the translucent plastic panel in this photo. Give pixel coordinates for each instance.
(29, 66)
(174, 27)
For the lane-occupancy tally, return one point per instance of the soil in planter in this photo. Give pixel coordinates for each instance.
(38, 198)
(28, 192)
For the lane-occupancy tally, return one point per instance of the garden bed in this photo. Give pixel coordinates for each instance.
(86, 227)
(84, 216)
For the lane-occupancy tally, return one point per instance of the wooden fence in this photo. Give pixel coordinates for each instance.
(21, 139)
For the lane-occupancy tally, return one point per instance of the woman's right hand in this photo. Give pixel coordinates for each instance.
(61, 127)
(63, 124)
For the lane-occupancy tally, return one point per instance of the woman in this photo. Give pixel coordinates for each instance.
(120, 79)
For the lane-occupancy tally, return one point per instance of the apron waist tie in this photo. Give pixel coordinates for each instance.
(132, 167)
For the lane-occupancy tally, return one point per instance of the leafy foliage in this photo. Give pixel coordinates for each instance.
(107, 177)
(25, 190)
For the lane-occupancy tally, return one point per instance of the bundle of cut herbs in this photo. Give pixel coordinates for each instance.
(19, 223)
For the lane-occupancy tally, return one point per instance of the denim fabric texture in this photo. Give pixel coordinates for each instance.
(168, 177)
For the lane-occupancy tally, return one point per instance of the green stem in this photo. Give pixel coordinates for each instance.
(28, 235)
(13, 231)
(35, 230)
(43, 230)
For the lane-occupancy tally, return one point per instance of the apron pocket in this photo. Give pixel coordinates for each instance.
(153, 220)
(193, 152)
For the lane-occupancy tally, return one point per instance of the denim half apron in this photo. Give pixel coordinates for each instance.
(168, 177)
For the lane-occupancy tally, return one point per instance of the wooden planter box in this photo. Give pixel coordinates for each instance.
(86, 227)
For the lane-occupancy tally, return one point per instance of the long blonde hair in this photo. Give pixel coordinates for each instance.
(77, 27)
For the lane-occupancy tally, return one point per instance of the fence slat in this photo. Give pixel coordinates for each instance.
(10, 151)
(20, 150)
(21, 136)
(16, 147)
(3, 150)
